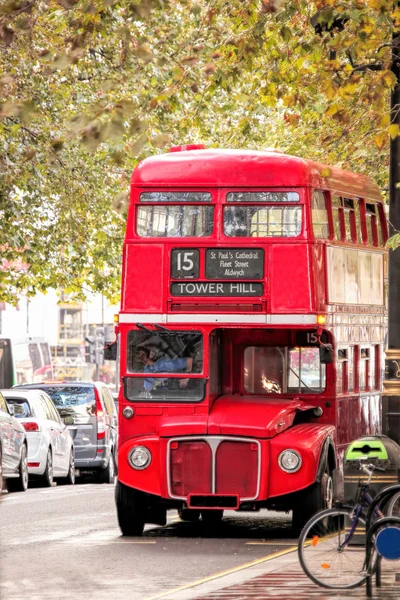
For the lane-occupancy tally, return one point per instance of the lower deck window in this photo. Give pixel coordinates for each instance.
(154, 355)
(281, 370)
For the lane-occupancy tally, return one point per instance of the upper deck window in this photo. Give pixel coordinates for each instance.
(349, 220)
(262, 221)
(173, 197)
(319, 213)
(175, 221)
(370, 217)
(263, 197)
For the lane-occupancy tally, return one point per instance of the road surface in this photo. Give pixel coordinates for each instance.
(64, 542)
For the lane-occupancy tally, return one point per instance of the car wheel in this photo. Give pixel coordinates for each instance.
(107, 475)
(48, 477)
(70, 478)
(21, 483)
(130, 510)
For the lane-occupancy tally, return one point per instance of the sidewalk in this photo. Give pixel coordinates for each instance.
(282, 577)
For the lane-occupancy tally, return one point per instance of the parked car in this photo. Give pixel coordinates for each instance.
(13, 451)
(50, 445)
(90, 408)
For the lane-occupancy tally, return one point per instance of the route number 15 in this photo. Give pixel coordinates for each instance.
(185, 263)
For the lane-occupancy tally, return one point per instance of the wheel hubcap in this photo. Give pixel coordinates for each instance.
(50, 467)
(24, 464)
(327, 491)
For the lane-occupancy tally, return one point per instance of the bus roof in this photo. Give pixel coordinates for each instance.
(247, 168)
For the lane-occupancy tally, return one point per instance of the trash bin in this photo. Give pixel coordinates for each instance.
(378, 450)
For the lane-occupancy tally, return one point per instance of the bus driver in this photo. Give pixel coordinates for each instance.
(163, 365)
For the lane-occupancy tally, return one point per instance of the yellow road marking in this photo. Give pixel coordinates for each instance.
(223, 573)
(268, 544)
(105, 543)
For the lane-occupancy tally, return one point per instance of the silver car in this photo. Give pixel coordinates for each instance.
(13, 451)
(89, 408)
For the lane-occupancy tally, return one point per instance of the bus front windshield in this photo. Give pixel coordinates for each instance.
(152, 353)
(283, 370)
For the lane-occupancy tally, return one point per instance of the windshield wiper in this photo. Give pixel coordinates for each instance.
(140, 326)
(158, 326)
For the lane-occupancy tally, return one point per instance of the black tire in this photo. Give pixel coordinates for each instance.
(315, 498)
(21, 483)
(321, 558)
(107, 475)
(70, 478)
(189, 514)
(212, 516)
(48, 476)
(130, 510)
(393, 509)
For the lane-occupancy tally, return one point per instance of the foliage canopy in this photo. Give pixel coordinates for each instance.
(89, 87)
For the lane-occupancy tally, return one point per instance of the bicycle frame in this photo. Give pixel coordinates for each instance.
(365, 499)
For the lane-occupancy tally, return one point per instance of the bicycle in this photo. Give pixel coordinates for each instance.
(329, 551)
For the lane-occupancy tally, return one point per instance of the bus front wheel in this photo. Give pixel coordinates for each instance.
(318, 496)
(130, 510)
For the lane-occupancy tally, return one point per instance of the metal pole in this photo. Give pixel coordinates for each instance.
(391, 399)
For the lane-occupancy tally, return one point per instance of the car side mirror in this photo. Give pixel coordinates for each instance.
(110, 351)
(11, 409)
(326, 354)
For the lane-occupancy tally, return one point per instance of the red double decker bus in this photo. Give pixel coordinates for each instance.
(251, 333)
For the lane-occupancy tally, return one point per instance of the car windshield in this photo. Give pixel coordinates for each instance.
(21, 407)
(70, 396)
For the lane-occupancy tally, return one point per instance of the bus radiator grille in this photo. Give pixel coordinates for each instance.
(214, 465)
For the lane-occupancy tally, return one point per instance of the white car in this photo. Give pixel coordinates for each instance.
(50, 446)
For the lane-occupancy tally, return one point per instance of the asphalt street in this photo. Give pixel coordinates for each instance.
(64, 542)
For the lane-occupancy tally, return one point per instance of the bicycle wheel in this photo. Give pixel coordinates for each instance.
(393, 509)
(322, 555)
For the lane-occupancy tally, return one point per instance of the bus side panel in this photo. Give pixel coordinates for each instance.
(290, 279)
(319, 272)
(143, 285)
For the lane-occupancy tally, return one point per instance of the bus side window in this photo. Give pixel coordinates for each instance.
(382, 225)
(349, 220)
(377, 370)
(359, 227)
(370, 218)
(350, 369)
(342, 371)
(338, 218)
(319, 215)
(364, 369)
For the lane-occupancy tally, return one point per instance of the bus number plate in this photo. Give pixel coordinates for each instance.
(185, 263)
(234, 263)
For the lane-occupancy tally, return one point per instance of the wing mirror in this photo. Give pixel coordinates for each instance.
(110, 351)
(326, 354)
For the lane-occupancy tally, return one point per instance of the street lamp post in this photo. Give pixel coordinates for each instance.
(391, 399)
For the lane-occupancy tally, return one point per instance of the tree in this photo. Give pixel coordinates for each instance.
(89, 87)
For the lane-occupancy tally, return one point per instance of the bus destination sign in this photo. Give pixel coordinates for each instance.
(234, 263)
(206, 288)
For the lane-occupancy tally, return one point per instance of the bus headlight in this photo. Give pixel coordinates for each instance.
(289, 461)
(139, 458)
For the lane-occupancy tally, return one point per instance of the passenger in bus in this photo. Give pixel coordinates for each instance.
(163, 365)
